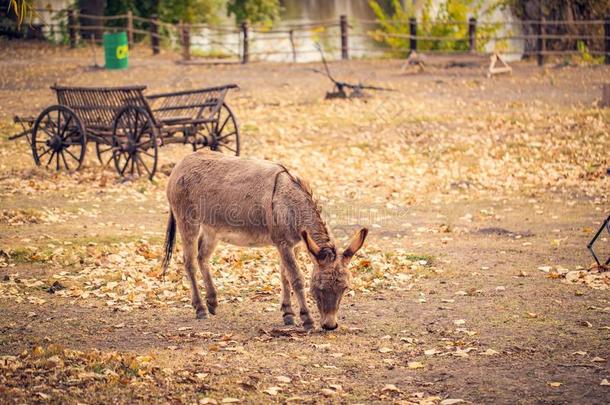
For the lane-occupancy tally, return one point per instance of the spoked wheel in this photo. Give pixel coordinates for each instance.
(134, 140)
(224, 132)
(59, 140)
(104, 153)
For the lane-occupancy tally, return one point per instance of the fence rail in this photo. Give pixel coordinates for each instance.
(241, 41)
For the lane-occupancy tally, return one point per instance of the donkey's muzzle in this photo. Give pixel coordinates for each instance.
(330, 327)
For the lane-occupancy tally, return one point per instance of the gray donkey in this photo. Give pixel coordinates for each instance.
(248, 202)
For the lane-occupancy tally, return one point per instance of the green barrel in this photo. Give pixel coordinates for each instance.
(116, 50)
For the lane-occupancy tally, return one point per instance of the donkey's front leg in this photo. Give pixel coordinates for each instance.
(297, 282)
(287, 312)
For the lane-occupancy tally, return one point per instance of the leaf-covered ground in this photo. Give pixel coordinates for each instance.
(475, 284)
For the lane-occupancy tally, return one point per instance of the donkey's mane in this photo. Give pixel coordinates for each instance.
(306, 188)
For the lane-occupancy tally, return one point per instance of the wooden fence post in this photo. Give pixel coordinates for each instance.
(607, 39)
(605, 95)
(72, 28)
(51, 30)
(245, 57)
(412, 34)
(540, 42)
(294, 49)
(154, 33)
(130, 28)
(344, 37)
(186, 41)
(472, 34)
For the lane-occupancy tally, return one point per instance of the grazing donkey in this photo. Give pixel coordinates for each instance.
(248, 202)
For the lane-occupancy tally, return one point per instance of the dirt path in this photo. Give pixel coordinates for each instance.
(480, 195)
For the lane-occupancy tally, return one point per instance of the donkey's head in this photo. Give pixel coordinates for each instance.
(330, 277)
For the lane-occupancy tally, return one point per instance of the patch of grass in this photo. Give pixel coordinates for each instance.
(414, 257)
(112, 239)
(28, 255)
(98, 368)
(21, 255)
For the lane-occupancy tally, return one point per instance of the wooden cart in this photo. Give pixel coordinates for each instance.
(128, 127)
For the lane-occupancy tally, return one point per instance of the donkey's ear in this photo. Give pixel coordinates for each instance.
(356, 243)
(313, 248)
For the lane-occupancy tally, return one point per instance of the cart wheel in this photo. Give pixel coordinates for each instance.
(225, 132)
(104, 153)
(59, 139)
(134, 140)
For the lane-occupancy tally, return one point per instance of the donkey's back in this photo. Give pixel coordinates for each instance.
(231, 196)
(217, 179)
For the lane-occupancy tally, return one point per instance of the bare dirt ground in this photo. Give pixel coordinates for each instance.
(475, 284)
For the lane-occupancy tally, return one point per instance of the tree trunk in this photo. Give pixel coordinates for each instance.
(91, 7)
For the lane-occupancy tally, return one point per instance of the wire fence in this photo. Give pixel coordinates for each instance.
(340, 39)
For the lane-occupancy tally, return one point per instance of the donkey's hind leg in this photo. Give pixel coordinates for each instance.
(207, 243)
(188, 233)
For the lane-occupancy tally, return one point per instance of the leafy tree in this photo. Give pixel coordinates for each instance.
(189, 11)
(396, 22)
(254, 11)
(115, 7)
(22, 9)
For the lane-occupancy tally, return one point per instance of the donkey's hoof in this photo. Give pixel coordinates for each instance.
(211, 308)
(201, 314)
(288, 320)
(308, 326)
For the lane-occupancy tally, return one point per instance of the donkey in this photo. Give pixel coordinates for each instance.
(249, 202)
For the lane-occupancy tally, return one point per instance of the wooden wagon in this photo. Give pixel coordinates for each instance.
(128, 127)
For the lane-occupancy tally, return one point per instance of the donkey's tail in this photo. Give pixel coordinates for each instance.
(170, 240)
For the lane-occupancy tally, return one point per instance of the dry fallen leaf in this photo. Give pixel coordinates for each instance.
(390, 388)
(327, 392)
(580, 353)
(273, 391)
(451, 401)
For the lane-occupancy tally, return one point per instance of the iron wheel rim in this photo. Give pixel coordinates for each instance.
(225, 131)
(59, 139)
(134, 143)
